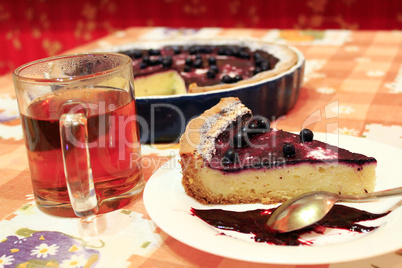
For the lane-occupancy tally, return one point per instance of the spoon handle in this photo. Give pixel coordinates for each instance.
(371, 196)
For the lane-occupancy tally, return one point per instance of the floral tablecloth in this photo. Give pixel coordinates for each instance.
(353, 86)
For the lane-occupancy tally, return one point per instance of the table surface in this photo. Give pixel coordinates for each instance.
(352, 86)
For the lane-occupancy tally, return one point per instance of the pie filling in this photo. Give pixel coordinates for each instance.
(257, 148)
(200, 65)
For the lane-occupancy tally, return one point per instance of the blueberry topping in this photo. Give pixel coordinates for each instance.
(187, 69)
(230, 157)
(289, 149)
(212, 60)
(189, 61)
(214, 68)
(154, 52)
(227, 79)
(198, 63)
(206, 57)
(306, 135)
(211, 74)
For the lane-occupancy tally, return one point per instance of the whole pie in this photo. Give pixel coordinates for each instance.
(229, 156)
(205, 65)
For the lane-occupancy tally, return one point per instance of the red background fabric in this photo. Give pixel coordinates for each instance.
(33, 29)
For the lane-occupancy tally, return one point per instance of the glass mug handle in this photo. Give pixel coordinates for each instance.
(77, 166)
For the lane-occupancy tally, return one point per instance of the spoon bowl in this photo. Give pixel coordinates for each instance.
(308, 208)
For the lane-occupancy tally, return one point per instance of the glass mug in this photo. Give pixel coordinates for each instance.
(78, 115)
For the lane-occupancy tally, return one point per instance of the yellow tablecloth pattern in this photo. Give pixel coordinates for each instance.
(353, 86)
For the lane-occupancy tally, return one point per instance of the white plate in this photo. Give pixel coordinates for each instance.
(169, 206)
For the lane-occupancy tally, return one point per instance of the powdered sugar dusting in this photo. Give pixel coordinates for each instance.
(321, 153)
(216, 124)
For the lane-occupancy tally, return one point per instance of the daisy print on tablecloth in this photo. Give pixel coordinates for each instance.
(74, 262)
(326, 90)
(343, 109)
(375, 73)
(347, 131)
(43, 250)
(46, 249)
(6, 260)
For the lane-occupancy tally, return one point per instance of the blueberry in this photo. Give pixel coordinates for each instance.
(288, 149)
(198, 56)
(146, 59)
(227, 79)
(156, 61)
(259, 61)
(257, 56)
(257, 70)
(154, 52)
(214, 68)
(143, 65)
(240, 139)
(230, 156)
(211, 74)
(176, 50)
(189, 61)
(198, 63)
(261, 125)
(212, 60)
(229, 52)
(253, 125)
(235, 51)
(187, 69)
(306, 135)
(167, 62)
(205, 50)
(193, 50)
(265, 66)
(244, 129)
(225, 51)
(244, 55)
(221, 51)
(136, 53)
(238, 78)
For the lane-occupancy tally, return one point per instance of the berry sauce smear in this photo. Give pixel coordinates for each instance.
(254, 222)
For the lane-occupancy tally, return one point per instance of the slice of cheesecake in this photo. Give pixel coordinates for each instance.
(230, 157)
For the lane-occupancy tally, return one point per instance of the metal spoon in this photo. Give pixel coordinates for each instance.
(308, 208)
